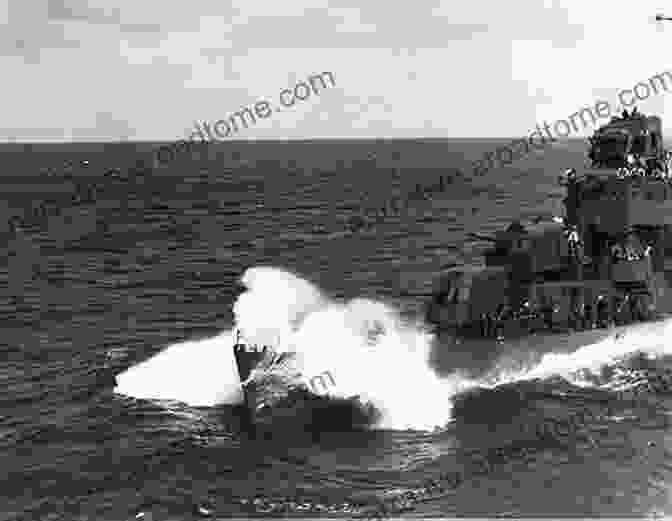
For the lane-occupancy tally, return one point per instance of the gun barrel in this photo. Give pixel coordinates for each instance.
(481, 237)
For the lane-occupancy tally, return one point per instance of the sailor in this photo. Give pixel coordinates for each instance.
(523, 317)
(659, 166)
(575, 313)
(623, 251)
(618, 306)
(622, 306)
(592, 153)
(611, 319)
(602, 311)
(634, 308)
(590, 324)
(491, 320)
(629, 254)
(631, 169)
(526, 309)
(492, 324)
(581, 312)
(547, 312)
(617, 252)
(484, 325)
(574, 242)
(502, 313)
(652, 167)
(640, 308)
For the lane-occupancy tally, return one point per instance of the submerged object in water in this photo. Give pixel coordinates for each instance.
(607, 262)
(275, 390)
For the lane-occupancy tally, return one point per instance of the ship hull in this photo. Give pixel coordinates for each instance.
(479, 356)
(518, 329)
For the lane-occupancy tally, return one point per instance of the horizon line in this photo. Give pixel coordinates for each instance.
(282, 140)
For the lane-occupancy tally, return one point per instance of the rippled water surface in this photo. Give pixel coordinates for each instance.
(102, 285)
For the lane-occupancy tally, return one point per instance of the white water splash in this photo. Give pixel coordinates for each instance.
(650, 338)
(363, 343)
(201, 373)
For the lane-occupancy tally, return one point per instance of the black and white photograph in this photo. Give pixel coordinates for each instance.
(327, 259)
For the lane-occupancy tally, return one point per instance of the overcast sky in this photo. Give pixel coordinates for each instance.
(146, 69)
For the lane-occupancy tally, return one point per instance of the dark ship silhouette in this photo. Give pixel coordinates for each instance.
(296, 405)
(605, 263)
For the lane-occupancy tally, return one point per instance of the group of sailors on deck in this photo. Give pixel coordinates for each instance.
(640, 160)
(581, 315)
(654, 168)
(628, 252)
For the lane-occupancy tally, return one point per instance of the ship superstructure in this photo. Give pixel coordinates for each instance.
(608, 261)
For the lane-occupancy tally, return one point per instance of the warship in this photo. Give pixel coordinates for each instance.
(607, 263)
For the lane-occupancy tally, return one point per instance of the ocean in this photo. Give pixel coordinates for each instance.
(118, 310)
